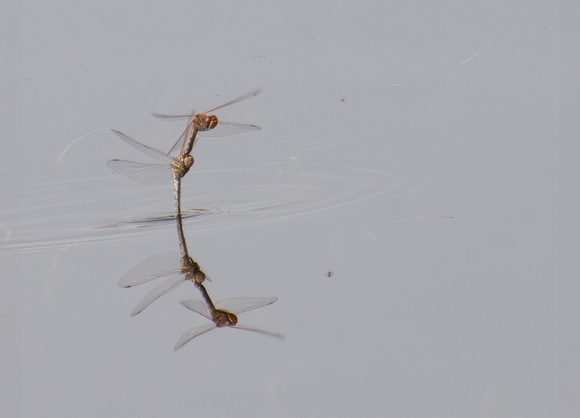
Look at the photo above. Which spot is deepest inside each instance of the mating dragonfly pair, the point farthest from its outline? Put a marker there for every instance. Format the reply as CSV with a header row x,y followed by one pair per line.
x,y
181,268
199,124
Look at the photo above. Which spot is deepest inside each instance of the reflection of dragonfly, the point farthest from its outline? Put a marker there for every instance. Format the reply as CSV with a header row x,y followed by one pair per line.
x,y
207,125
220,316
170,265
178,268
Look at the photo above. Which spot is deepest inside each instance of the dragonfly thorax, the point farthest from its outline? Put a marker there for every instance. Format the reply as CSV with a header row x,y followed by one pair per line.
x,y
182,164
192,270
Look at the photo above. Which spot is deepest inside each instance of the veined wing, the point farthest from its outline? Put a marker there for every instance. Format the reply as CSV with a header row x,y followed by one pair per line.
x,y
159,265
260,331
239,305
228,128
221,129
191,334
145,149
152,174
182,140
248,95
197,306
158,291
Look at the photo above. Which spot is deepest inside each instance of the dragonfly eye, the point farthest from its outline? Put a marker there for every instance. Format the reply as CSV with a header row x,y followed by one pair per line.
x,y
232,319
188,162
212,122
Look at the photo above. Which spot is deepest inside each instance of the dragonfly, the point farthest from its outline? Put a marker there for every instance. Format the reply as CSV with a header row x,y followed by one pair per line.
x,y
223,314
208,125
174,268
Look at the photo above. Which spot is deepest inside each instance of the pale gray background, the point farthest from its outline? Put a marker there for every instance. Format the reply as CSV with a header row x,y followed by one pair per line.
x,y
374,115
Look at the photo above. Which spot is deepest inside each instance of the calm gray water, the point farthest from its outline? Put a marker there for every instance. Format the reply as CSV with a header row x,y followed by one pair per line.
x,y
409,149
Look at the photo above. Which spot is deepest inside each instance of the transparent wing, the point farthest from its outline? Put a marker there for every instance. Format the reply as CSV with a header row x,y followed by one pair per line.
x,y
158,291
197,306
152,174
228,128
222,129
245,96
159,265
260,331
182,140
145,149
239,305
191,334
165,116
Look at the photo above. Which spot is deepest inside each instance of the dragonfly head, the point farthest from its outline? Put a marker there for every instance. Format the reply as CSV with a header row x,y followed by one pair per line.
x,y
224,318
208,122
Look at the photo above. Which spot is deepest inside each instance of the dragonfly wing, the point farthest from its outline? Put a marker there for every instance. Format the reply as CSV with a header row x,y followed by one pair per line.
x,y
228,128
197,306
159,265
248,95
239,305
152,174
165,116
191,334
158,291
260,331
145,149
183,139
